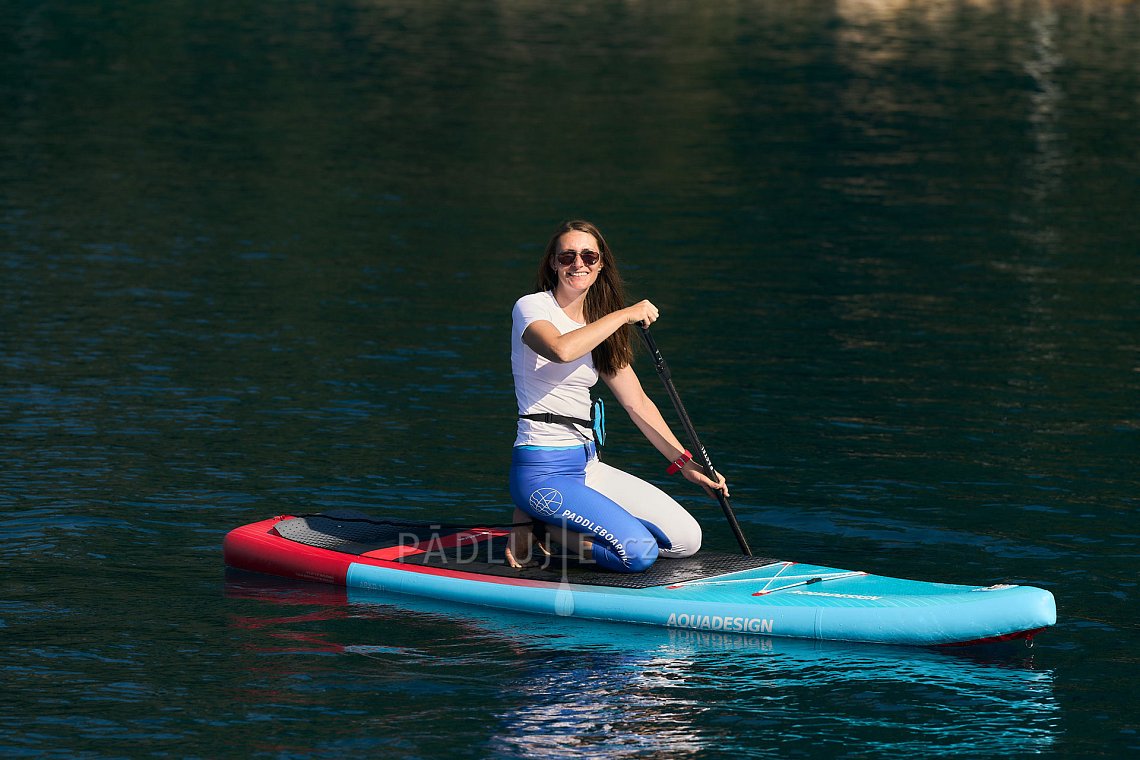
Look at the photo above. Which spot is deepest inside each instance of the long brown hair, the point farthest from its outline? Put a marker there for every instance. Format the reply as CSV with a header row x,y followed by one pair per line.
x,y
606,295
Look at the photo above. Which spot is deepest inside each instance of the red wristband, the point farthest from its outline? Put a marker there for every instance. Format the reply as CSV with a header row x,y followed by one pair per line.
x,y
679,463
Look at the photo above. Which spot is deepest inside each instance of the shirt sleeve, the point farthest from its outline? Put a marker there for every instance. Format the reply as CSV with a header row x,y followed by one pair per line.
x,y
527,311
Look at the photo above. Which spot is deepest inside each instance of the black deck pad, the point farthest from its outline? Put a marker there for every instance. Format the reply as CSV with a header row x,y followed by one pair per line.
x,y
353,532
356,533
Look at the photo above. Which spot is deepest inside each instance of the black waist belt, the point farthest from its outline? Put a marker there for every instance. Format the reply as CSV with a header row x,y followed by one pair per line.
x,y
596,423
558,418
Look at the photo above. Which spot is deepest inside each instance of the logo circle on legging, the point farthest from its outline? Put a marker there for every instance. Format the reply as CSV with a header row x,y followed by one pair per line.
x,y
546,501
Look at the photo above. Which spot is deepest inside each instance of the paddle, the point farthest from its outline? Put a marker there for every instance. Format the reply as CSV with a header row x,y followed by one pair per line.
x,y
695,445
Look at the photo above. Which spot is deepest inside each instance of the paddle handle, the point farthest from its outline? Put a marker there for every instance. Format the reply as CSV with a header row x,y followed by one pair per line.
x,y
695,445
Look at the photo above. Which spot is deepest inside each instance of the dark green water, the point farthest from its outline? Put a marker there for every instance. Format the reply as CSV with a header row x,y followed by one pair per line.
x,y
260,258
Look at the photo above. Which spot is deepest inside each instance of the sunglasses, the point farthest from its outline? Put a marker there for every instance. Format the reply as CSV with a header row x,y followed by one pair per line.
x,y
589,258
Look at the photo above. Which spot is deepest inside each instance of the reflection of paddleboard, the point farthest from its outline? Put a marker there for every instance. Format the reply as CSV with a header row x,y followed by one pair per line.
x,y
707,592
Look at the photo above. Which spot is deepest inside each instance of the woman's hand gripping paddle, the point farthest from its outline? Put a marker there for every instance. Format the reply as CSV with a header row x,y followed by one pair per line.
x,y
695,445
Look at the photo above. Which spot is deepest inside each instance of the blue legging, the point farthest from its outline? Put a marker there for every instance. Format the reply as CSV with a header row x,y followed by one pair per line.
x,y
629,521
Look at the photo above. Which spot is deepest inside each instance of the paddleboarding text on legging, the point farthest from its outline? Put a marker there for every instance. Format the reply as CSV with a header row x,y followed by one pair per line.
x,y
600,531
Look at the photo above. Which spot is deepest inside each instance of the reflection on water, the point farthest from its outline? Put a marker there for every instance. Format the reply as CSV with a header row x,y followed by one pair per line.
x,y
1047,170
570,688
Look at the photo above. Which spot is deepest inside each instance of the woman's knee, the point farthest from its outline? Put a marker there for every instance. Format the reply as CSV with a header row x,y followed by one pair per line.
x,y
641,553
633,554
685,541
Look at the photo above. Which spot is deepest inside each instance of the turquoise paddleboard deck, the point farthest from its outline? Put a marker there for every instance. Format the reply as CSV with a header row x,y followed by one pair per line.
x,y
710,591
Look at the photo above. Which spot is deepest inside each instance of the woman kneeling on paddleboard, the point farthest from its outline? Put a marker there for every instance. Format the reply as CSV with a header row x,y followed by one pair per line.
x,y
565,335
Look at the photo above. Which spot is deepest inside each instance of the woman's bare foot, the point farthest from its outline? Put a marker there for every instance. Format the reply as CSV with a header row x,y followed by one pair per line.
x,y
522,542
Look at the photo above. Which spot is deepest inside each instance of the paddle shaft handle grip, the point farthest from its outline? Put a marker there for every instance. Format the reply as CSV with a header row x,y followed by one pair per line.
x,y
695,445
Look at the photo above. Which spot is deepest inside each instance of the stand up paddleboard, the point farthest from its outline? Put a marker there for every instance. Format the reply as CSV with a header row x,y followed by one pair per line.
x,y
710,591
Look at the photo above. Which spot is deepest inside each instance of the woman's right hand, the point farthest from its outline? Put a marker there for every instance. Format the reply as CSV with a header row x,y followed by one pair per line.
x,y
644,312
696,474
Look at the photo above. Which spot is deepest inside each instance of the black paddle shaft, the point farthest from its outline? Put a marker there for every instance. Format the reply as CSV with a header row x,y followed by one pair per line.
x,y
695,445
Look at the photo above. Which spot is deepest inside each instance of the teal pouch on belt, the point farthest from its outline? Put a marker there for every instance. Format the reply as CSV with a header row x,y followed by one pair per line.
x,y
598,415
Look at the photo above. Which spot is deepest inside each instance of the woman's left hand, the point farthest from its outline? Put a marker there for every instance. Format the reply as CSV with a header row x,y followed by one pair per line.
x,y
694,473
